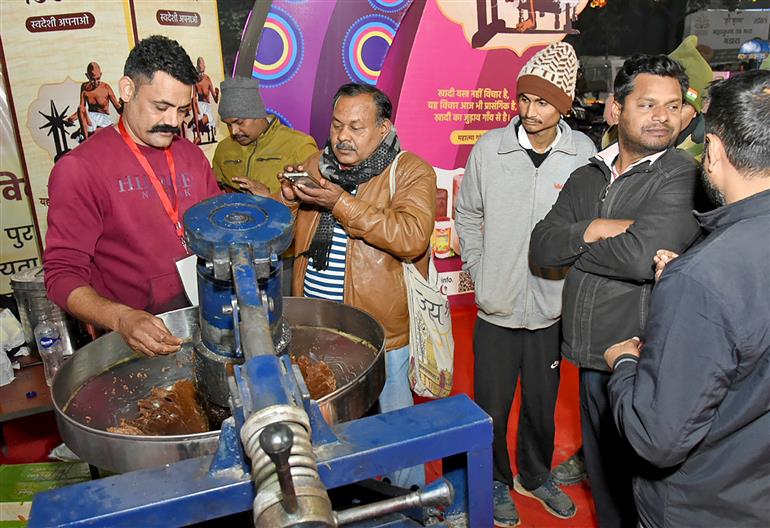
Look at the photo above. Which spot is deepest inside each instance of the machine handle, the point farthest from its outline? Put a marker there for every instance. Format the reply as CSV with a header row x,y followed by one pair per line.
x,y
277,440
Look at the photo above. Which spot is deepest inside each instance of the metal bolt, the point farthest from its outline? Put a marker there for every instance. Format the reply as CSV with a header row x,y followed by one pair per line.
x,y
277,440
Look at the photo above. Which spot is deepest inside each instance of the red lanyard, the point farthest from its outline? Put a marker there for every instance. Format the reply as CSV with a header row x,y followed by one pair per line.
x,y
171,211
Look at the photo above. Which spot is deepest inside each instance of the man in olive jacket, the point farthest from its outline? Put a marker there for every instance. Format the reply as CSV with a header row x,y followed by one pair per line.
x,y
259,145
633,198
351,236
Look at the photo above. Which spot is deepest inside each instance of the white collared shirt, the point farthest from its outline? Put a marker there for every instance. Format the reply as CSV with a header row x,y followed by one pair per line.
x,y
610,154
527,144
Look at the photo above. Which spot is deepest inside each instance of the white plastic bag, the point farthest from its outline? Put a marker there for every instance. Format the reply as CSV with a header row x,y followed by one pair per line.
x,y
11,336
431,345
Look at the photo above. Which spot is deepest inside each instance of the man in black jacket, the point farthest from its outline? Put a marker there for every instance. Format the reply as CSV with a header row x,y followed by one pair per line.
x,y
696,401
633,198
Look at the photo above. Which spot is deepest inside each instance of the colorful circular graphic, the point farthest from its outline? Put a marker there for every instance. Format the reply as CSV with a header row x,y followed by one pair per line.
x,y
280,50
389,6
282,118
365,45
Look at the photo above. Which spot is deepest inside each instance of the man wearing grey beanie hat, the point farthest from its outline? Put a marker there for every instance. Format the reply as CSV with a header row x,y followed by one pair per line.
x,y
259,146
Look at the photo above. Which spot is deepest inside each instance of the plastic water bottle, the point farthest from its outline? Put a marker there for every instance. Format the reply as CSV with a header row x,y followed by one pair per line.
x,y
49,345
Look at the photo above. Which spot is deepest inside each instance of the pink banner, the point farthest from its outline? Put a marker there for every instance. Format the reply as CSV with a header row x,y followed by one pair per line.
x,y
451,73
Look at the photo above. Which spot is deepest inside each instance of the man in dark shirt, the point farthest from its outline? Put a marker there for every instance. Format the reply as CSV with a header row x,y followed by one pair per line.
x,y
633,198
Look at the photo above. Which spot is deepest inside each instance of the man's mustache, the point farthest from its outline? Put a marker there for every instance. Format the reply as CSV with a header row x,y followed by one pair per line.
x,y
345,146
164,128
667,128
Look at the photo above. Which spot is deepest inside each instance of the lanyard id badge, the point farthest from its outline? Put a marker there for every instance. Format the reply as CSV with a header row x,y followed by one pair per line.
x,y
171,210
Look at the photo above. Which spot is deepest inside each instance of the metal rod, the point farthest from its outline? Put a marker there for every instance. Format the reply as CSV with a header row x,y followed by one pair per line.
x,y
252,33
253,326
440,495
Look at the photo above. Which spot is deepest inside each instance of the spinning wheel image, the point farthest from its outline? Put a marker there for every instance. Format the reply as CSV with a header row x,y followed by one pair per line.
x,y
491,22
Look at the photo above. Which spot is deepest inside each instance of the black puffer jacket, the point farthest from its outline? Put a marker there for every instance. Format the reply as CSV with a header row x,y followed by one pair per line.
x,y
607,290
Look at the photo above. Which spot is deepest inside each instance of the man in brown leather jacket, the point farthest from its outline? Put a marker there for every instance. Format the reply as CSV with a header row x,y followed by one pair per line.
x,y
351,235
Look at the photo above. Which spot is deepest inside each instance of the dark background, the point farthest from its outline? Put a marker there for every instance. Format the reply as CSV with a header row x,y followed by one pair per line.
x,y
625,27
232,19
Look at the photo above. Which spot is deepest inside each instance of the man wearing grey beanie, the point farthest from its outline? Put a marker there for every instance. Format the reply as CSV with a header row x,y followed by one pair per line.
x,y
259,146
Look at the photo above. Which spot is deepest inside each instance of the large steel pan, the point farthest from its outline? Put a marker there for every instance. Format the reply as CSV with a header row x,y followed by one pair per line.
x,y
103,381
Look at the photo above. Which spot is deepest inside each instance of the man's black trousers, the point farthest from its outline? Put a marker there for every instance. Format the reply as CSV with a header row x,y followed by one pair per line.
x,y
610,459
500,354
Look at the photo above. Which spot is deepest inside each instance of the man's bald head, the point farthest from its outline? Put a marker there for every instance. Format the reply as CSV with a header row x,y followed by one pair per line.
x,y
93,71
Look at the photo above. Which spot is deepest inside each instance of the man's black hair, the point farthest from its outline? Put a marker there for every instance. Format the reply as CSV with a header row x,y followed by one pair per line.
x,y
739,115
158,53
381,101
659,65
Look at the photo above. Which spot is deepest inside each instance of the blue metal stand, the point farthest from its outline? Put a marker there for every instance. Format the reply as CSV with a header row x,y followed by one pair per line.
x,y
453,429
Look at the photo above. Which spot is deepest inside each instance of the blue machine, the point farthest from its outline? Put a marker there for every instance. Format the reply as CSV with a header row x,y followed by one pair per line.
x,y
237,239
277,456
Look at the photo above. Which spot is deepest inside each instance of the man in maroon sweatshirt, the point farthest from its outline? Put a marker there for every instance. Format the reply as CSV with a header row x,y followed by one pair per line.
x,y
117,201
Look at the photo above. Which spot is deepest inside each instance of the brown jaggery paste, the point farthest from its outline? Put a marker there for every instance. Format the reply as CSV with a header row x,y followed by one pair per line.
x,y
319,378
173,411
177,411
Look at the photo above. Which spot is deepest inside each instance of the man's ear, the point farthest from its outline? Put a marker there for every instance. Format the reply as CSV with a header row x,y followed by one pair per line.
x,y
688,111
615,111
126,88
715,149
385,127
714,152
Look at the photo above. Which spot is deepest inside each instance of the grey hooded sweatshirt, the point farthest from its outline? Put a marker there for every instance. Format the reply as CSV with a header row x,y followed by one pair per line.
x,y
501,198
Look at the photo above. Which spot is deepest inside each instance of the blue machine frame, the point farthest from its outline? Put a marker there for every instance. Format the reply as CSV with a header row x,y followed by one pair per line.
x,y
454,429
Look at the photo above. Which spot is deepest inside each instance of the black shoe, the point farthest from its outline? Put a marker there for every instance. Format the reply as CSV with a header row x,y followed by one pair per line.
x,y
571,471
505,513
555,501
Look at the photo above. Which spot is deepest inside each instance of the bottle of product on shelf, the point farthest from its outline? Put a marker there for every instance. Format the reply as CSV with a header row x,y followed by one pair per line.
x,y
442,237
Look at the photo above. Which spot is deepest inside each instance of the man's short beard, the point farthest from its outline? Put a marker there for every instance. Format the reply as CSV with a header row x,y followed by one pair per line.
x,y
714,194
639,148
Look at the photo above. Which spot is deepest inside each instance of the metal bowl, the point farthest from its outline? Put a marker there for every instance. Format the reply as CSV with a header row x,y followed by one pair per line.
x,y
103,381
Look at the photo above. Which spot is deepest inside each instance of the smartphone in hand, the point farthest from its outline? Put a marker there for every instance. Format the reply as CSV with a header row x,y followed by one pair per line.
x,y
300,178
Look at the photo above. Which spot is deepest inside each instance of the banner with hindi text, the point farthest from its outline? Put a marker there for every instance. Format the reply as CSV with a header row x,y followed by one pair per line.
x,y
61,53
49,49
451,73
18,243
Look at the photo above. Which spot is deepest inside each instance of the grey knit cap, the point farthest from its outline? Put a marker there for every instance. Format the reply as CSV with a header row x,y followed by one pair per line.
x,y
241,99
